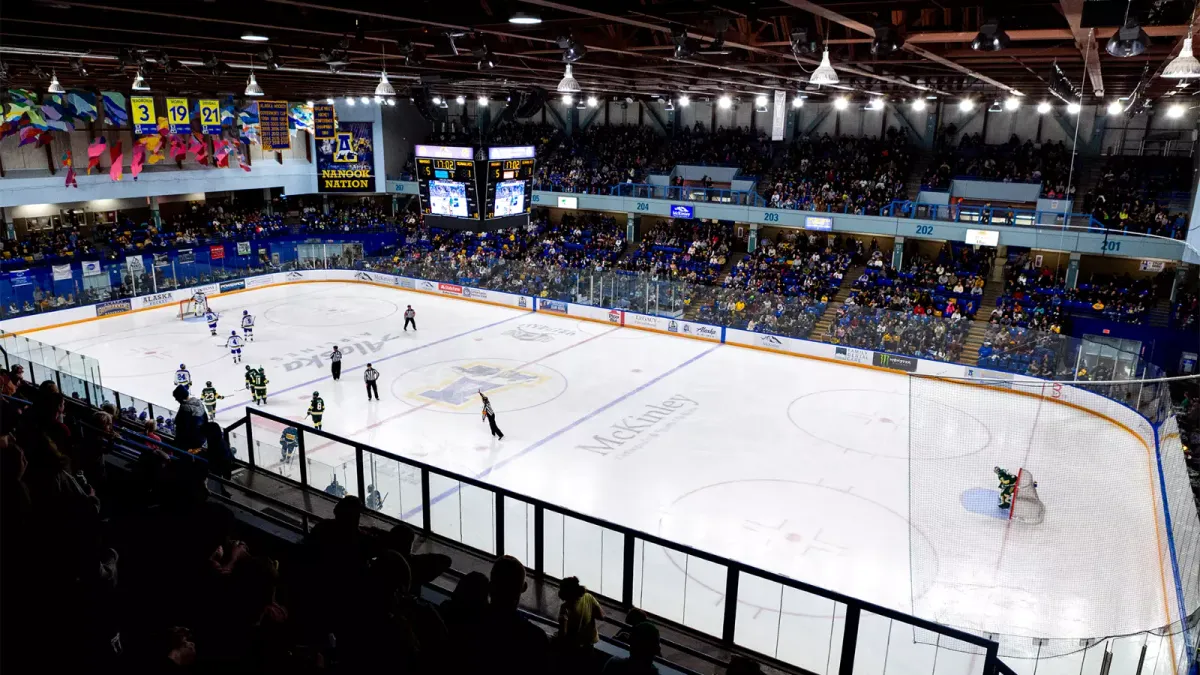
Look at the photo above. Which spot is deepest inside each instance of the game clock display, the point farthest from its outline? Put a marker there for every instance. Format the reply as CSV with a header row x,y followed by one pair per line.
x,y
509,187
447,187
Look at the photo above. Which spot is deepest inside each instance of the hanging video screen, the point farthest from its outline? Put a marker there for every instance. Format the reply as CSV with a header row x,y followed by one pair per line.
x,y
446,182
509,182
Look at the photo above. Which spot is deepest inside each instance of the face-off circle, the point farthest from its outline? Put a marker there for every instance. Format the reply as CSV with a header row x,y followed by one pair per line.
x,y
454,386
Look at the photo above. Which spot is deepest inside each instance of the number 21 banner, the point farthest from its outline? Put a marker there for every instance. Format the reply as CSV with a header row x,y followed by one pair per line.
x,y
210,116
178,119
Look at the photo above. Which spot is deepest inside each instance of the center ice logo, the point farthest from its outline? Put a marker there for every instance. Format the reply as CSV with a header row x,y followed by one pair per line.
x,y
536,332
476,377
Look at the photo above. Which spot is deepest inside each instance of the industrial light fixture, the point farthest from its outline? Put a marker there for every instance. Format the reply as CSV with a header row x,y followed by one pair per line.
x,y
1073,108
378,100
1012,103
567,99
800,43
252,86
1043,107
966,105
669,105
251,36
482,100
78,67
436,100
797,102
573,50
328,101
887,40
391,101
918,104
525,19
568,84
841,103
384,88
875,104
461,100
592,102
267,56
760,103
824,74
1184,65
365,101
684,48
55,87
684,101
139,82
1115,108
350,101
725,103
991,37
308,103
1175,111
1129,40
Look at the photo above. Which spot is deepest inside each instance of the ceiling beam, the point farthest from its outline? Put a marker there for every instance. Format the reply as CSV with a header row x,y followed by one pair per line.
x,y
831,15
1085,42
1019,35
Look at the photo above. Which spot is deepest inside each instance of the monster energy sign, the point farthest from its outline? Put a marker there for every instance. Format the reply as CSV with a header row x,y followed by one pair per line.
x,y
894,362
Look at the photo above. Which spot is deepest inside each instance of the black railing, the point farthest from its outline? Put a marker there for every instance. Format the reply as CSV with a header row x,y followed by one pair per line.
x,y
865,628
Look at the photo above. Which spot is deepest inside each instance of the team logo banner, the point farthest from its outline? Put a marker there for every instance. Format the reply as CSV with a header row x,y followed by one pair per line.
x,y
346,162
243,248
186,255
894,362
238,285
91,268
113,307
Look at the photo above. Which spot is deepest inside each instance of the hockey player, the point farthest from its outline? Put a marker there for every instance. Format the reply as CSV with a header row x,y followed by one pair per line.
x,y
316,409
1008,484
211,317
258,385
182,377
250,380
209,397
374,499
200,298
335,488
235,346
247,325
289,440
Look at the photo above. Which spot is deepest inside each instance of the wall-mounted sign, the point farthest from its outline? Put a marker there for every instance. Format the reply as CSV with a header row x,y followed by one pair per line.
x,y
982,237
568,202
818,223
681,211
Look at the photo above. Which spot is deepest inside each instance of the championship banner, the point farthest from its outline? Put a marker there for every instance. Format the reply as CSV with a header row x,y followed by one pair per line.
x,y
62,272
243,248
135,264
346,162
186,256
141,109
91,268
324,121
216,252
777,121
210,116
178,119
273,126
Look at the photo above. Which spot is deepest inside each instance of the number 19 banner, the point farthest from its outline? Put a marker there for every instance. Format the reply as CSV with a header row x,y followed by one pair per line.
x,y
178,119
210,116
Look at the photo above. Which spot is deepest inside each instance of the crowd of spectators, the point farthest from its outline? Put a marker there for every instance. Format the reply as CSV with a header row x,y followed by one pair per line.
x,y
949,285
855,175
135,568
1133,192
682,250
1012,162
796,263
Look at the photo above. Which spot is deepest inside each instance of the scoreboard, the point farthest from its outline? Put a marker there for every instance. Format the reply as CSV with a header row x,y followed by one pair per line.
x,y
450,178
509,181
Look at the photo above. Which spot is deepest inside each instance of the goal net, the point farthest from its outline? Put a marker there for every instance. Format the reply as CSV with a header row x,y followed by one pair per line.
x,y
190,309
1026,507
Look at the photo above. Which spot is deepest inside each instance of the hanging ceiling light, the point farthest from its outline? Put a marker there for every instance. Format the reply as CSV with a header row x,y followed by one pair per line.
x,y
824,74
55,87
567,99
139,83
875,104
1184,65
252,36
724,103
573,50
991,37
841,103
1073,108
364,100
1129,40
887,40
797,102
966,105
918,104
460,99
252,88
1115,108
384,88
1012,103
684,101
592,102
568,85
482,100
350,101
525,19
1043,107
1175,111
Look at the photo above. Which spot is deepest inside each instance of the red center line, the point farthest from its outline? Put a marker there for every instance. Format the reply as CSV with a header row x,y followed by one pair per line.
x,y
429,403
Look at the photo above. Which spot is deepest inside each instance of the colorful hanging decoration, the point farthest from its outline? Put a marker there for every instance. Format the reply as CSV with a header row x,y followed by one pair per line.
x,y
117,158
221,155
67,161
116,109
300,116
179,149
95,149
138,160
82,105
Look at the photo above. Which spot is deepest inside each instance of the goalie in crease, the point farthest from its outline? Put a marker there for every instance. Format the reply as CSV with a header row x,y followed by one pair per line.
x,y
1008,484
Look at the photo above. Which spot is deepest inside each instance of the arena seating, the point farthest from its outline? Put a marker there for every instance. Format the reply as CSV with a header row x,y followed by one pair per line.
x,y
793,264
1133,192
682,250
855,175
1014,161
950,285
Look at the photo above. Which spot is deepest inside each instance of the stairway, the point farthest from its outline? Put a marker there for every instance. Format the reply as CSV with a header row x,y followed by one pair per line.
x,y
730,260
821,330
1159,315
916,172
970,352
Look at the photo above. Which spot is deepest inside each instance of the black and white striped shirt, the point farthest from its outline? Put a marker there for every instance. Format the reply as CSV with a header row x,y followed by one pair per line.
x,y
370,375
409,313
487,408
336,356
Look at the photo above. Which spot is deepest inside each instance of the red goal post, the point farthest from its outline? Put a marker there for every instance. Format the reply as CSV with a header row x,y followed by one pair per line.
x,y
190,309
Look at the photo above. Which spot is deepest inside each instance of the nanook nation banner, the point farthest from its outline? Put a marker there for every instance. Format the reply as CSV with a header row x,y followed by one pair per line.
x,y
346,162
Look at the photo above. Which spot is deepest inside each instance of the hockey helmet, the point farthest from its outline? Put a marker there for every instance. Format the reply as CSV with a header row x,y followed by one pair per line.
x,y
245,312
208,384
316,394
233,332
247,367
182,367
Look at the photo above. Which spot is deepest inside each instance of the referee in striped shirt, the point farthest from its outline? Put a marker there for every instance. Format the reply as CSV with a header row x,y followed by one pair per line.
x,y
370,376
491,417
336,363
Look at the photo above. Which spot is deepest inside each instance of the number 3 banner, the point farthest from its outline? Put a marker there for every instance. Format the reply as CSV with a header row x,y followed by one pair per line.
x,y
210,116
177,116
141,110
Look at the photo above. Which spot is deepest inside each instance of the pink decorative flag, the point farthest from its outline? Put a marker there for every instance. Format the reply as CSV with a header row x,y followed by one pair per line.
x,y
179,149
95,149
222,153
139,159
68,162
116,172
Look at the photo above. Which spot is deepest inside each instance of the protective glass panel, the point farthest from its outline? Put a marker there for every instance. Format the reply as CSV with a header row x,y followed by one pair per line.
x,y
332,467
464,513
678,586
398,485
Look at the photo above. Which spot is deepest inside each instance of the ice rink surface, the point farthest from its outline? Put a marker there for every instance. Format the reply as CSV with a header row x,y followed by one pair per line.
x,y
793,465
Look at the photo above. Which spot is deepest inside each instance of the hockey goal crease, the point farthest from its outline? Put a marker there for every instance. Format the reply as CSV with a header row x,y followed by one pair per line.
x,y
1026,506
190,309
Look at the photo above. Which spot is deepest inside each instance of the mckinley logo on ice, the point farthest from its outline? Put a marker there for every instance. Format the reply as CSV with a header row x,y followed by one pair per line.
x,y
632,432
